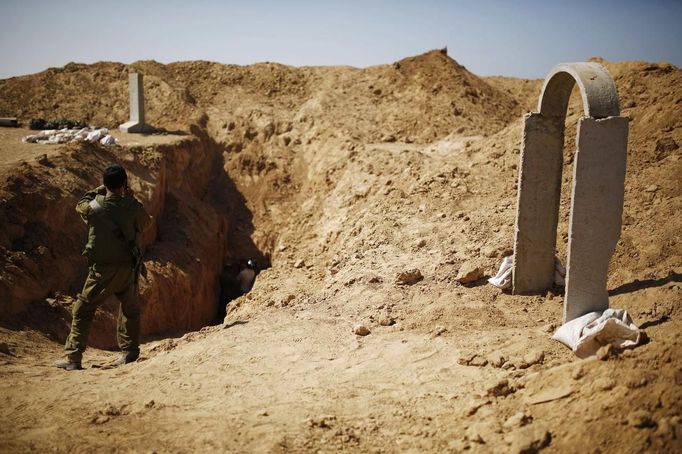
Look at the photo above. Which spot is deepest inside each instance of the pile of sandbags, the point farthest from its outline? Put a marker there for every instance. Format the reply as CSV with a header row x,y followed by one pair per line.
x,y
65,135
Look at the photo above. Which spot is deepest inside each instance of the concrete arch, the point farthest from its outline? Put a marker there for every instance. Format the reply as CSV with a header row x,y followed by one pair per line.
x,y
596,196
597,89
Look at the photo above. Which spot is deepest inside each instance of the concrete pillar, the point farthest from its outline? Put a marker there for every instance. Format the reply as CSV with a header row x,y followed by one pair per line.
x,y
538,203
136,90
596,212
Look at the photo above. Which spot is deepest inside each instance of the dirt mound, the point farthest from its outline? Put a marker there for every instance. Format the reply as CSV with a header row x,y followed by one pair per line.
x,y
96,94
525,92
432,93
353,182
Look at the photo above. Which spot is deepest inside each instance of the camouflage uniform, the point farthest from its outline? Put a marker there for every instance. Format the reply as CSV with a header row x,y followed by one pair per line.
x,y
114,223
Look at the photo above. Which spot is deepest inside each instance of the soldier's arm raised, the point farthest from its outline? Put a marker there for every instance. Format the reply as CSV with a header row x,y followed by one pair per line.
x,y
83,205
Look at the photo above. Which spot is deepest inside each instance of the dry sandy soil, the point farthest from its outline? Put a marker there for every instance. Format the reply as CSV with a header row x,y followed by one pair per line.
x,y
341,179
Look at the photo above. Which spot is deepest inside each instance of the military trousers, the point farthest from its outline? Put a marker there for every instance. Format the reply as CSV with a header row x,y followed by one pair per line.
x,y
102,282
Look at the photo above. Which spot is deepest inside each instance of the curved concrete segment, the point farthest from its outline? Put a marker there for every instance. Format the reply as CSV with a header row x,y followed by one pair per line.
x,y
596,196
598,91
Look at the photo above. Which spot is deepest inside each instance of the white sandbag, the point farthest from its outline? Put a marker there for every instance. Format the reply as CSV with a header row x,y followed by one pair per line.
x,y
57,139
108,140
53,136
569,333
503,278
584,335
94,136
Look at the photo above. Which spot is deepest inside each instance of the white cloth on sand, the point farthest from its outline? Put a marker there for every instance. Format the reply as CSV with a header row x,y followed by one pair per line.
x,y
503,278
584,335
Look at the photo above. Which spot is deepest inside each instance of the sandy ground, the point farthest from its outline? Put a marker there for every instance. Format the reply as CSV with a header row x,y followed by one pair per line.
x,y
298,379
329,174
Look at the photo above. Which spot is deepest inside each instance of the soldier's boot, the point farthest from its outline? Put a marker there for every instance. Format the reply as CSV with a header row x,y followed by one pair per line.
x,y
127,358
68,364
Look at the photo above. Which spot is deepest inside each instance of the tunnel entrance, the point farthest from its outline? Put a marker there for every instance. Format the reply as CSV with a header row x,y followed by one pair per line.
x,y
203,228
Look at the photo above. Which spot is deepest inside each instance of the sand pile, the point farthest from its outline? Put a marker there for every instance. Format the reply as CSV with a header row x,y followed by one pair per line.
x,y
354,182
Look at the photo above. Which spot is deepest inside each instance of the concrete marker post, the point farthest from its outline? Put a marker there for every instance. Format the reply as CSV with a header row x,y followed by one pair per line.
x,y
136,123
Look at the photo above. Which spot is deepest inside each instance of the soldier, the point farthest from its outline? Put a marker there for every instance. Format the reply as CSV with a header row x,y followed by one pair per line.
x,y
115,219
247,277
232,285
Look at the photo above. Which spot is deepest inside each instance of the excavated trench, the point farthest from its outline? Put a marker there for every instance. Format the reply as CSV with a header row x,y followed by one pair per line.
x,y
201,234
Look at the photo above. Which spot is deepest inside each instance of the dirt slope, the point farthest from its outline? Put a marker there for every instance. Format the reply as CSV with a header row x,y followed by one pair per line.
x,y
346,178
